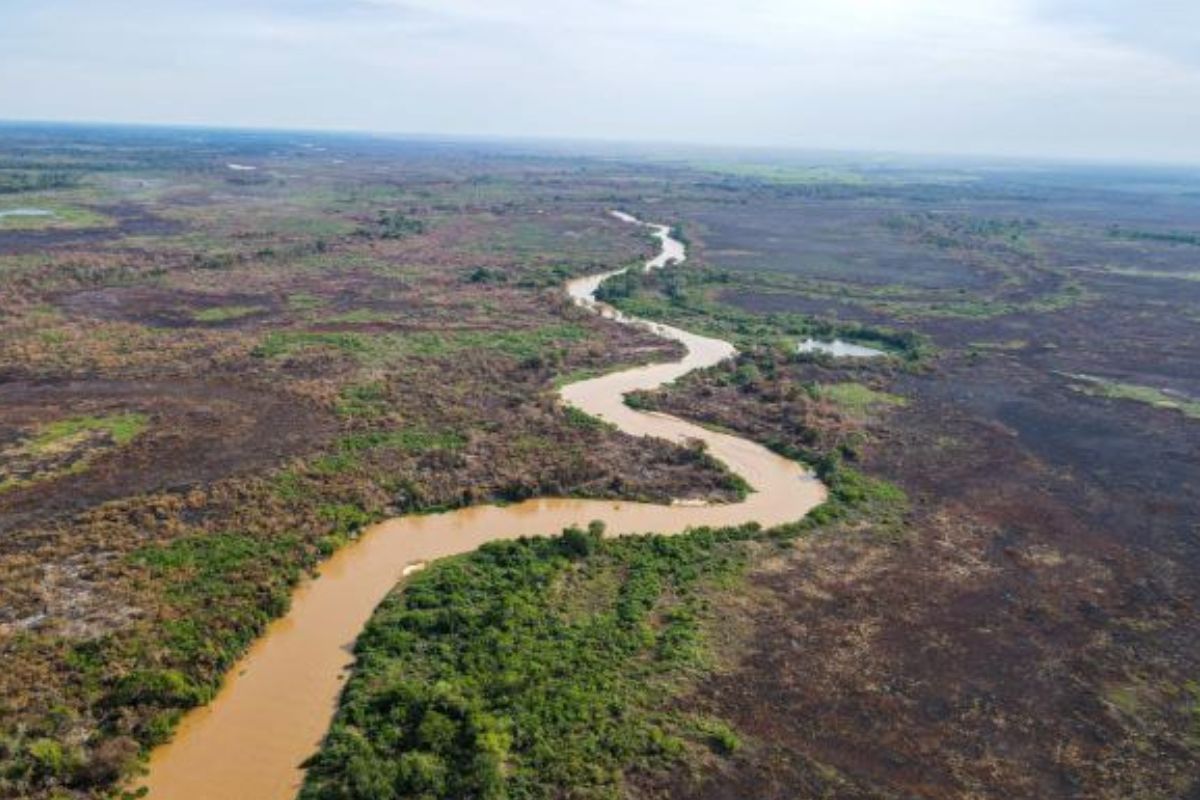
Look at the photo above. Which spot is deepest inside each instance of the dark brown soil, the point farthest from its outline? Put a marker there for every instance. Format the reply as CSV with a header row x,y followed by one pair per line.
x,y
199,430
128,220
1036,633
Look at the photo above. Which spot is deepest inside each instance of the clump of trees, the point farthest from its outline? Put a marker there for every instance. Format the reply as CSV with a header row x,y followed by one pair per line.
x,y
392,224
529,669
18,182
1168,237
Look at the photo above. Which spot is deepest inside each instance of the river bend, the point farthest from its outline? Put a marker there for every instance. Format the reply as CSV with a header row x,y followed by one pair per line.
x,y
278,701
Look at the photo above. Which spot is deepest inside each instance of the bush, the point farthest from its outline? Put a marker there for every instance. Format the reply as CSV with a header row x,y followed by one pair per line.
x,y
162,687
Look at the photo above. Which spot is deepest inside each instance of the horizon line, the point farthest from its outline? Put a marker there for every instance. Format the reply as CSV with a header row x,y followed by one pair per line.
x,y
1042,159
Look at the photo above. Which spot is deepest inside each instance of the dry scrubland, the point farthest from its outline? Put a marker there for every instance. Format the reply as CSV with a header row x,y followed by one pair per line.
x,y
209,378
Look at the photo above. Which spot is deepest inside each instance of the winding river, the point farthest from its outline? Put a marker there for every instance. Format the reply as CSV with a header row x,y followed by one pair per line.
x,y
278,701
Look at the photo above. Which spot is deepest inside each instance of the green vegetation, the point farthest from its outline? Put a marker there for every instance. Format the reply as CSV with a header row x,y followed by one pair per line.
x,y
1167,237
394,225
1156,274
958,231
543,666
551,668
66,447
1191,691
371,348
222,589
304,301
854,495
17,182
60,216
220,611
360,316
786,174
281,343
226,313
411,440
581,419
365,400
532,667
685,296
121,427
1008,345
524,344
1101,387
857,400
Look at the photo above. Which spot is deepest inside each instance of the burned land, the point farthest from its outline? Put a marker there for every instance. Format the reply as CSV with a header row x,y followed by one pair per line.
x,y
1032,632
212,378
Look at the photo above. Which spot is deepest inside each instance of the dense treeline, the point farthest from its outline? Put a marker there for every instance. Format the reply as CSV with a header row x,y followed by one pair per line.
x,y
18,182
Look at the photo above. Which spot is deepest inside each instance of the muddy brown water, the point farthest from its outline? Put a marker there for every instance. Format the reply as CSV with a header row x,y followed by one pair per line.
x,y
278,701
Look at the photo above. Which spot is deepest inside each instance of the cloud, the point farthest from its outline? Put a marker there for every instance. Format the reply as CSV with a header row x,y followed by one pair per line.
x,y
1056,77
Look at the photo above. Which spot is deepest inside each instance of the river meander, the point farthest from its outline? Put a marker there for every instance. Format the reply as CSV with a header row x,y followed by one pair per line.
x,y
277,702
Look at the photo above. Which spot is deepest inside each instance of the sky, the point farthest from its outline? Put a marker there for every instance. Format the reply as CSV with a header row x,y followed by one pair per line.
x,y
1087,79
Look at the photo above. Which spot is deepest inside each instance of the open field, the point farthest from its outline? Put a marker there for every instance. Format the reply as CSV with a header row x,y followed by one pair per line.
x,y
216,376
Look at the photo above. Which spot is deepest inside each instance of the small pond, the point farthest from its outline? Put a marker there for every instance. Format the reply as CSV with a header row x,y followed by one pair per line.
x,y
838,348
25,212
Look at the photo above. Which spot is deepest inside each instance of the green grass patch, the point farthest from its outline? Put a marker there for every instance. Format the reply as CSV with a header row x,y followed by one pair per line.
x,y
410,440
1008,345
1148,395
360,316
856,399
123,428
854,495
66,447
303,301
517,343
59,216
379,349
226,313
282,343
364,401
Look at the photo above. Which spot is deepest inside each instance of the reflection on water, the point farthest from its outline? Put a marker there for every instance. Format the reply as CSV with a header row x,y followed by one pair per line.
x,y
838,348
25,212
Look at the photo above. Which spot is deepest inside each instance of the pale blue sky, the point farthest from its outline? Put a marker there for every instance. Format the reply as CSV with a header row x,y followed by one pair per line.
x,y
1083,78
